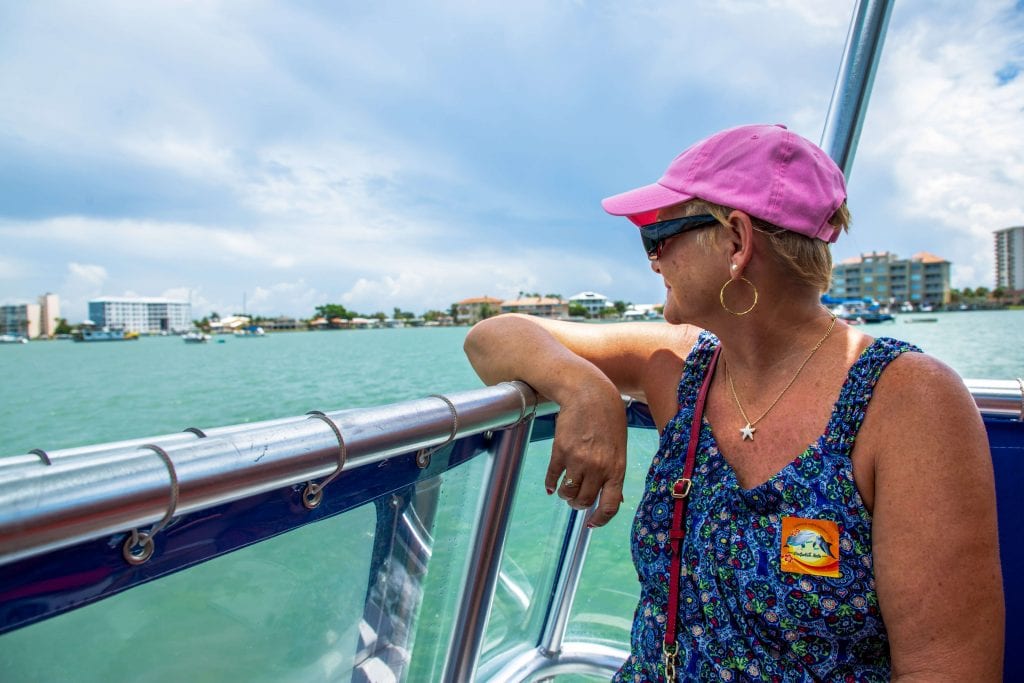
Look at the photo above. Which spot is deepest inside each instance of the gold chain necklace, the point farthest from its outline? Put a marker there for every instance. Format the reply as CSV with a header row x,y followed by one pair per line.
x,y
748,429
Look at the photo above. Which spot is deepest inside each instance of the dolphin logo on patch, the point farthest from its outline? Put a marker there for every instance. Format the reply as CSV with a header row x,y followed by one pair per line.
x,y
816,541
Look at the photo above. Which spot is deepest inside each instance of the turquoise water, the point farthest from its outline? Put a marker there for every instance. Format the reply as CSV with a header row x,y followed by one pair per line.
x,y
204,624
61,394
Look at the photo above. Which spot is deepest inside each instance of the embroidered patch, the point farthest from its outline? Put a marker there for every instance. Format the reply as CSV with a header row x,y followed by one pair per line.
x,y
810,546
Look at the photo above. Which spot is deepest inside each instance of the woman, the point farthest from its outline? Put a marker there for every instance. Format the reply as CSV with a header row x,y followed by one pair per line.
x,y
870,555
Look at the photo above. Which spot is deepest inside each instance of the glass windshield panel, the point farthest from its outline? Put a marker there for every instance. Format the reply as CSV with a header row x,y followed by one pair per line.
x,y
286,609
608,591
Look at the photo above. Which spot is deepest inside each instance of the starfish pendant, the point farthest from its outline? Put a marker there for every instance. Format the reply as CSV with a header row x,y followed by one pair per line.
x,y
748,432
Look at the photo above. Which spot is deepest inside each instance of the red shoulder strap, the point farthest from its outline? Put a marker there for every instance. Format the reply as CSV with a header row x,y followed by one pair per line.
x,y
681,493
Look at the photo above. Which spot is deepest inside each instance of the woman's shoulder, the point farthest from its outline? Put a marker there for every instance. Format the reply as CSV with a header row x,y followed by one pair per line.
x,y
662,363
664,344
914,377
918,399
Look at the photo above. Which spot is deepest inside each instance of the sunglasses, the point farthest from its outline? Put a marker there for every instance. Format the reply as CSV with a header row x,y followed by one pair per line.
x,y
655,234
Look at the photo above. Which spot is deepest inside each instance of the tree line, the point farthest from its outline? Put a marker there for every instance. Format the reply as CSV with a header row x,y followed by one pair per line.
x,y
999,295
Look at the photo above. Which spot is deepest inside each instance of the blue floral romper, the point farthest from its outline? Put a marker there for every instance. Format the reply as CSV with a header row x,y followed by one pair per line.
x,y
742,618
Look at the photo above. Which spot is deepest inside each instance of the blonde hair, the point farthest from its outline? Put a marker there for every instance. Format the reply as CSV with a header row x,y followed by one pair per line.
x,y
807,259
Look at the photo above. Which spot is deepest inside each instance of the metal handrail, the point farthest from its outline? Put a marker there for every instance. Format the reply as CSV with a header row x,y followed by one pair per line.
x,y
85,494
998,398
89,493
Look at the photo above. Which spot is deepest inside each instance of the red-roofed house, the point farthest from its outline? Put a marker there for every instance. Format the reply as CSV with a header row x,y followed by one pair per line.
x,y
541,306
475,309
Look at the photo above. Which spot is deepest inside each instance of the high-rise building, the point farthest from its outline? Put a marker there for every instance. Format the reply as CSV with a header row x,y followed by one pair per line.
x,y
145,316
921,279
49,314
1010,258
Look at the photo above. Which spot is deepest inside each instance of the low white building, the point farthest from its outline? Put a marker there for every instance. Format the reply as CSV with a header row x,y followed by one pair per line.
x,y
230,324
595,304
643,312
142,315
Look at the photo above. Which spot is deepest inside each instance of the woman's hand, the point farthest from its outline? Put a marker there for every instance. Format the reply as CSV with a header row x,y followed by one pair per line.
x,y
590,449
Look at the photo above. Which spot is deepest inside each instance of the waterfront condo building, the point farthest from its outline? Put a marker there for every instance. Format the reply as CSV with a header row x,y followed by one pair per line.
x,y
145,316
1010,259
921,279
20,320
31,320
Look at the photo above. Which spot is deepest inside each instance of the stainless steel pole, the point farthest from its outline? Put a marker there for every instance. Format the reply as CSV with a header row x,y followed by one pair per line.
x,y
853,82
467,636
570,569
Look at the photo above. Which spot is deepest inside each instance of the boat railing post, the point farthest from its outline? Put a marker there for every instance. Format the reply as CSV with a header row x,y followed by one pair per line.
x,y
567,579
856,75
484,562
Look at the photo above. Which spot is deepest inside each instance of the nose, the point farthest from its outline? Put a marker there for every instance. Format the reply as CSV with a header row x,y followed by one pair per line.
x,y
656,266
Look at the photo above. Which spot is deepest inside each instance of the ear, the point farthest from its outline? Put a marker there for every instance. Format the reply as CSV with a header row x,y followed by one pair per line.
x,y
737,240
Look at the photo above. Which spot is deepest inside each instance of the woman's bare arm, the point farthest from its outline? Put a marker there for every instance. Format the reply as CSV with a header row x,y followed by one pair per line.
x,y
583,368
934,535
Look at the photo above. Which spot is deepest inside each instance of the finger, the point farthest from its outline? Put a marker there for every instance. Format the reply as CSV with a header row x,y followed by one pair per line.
x,y
555,468
569,489
611,498
585,495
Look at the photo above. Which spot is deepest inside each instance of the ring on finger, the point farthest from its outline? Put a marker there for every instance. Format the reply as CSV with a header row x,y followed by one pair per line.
x,y
569,483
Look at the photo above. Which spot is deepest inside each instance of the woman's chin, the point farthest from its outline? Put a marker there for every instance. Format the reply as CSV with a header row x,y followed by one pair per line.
x,y
671,316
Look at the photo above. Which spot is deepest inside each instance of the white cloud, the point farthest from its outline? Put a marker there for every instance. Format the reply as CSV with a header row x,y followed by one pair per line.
x,y
173,243
12,269
950,135
297,297
88,275
82,281
737,48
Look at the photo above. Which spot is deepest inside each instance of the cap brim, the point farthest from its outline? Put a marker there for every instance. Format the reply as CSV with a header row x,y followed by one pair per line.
x,y
641,205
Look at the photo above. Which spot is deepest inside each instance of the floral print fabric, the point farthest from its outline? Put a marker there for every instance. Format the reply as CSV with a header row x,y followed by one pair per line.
x,y
741,617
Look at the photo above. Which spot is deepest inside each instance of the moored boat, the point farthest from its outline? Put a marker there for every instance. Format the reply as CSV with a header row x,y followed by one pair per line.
x,y
103,334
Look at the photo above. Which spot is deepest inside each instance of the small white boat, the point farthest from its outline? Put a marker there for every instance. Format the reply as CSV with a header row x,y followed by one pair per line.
x,y
196,337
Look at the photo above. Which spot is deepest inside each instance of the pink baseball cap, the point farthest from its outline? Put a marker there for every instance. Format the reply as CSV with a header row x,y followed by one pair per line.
x,y
765,170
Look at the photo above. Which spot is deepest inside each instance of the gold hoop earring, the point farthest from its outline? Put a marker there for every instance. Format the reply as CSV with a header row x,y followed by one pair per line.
x,y
721,295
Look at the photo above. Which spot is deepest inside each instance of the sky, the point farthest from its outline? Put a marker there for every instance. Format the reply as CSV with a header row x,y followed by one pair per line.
x,y
269,157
